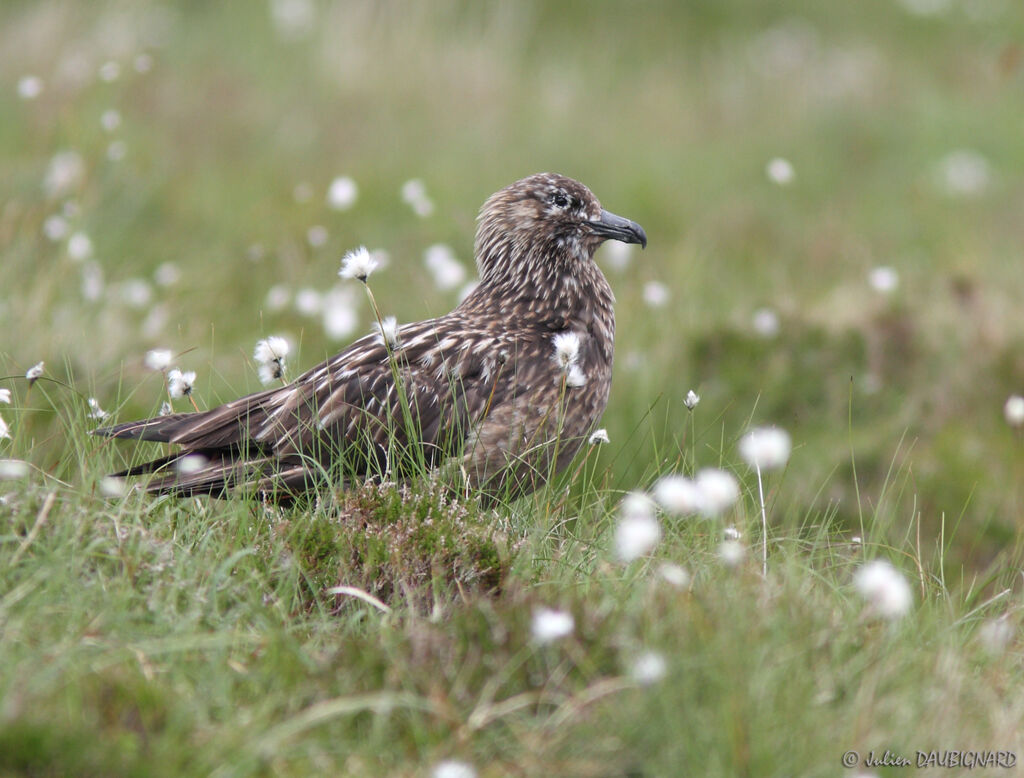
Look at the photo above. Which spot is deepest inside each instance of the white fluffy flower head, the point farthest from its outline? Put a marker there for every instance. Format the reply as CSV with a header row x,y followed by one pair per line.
x,y
5,396
599,436
451,768
691,400
637,532
180,384
158,359
766,448
272,349
780,171
342,193
718,491
648,668
358,263
1013,411
886,590
549,625
35,372
389,332
677,495
567,349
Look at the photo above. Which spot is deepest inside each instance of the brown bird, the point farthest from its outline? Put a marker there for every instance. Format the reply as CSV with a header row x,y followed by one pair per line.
x,y
504,389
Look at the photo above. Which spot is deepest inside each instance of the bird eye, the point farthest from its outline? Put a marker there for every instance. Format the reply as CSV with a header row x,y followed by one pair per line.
x,y
559,199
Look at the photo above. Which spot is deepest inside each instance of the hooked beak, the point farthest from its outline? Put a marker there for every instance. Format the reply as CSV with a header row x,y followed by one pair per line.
x,y
612,227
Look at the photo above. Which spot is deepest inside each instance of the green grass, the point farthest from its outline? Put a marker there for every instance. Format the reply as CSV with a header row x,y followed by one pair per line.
x,y
143,636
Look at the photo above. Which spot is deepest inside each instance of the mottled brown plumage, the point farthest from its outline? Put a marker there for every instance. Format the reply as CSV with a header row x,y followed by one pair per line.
x,y
480,388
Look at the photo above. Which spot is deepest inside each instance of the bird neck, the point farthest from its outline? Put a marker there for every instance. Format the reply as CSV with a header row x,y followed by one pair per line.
x,y
550,287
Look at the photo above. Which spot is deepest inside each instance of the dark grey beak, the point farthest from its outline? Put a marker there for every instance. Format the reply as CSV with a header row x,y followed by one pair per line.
x,y
614,227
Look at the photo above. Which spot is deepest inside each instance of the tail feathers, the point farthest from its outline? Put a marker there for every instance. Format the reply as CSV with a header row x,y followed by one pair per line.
x,y
160,429
216,473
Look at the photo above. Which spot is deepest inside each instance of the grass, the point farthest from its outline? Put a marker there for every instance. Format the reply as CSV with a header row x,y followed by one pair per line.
x,y
143,636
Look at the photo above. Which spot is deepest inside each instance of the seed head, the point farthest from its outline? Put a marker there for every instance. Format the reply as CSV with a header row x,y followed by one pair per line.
x,y
358,264
1014,410
35,372
766,448
692,398
886,590
598,436
549,625
179,384
388,332
158,359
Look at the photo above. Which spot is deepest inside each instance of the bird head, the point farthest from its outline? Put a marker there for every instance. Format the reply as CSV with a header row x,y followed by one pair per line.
x,y
546,215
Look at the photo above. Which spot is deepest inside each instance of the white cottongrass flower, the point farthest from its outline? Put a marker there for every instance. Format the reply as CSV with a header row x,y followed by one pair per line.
x,y
447,271
575,377
567,349
92,281
675,575
270,355
180,384
342,193
110,486
316,236
158,359
308,301
964,173
780,171
414,194
549,625
110,119
35,372
109,71
358,263
656,294
886,590
167,274
277,299
293,19
55,227
339,313
1013,411
191,463
598,436
272,349
765,322
5,396
451,768
135,292
389,332
165,409
995,635
95,411
766,448
731,552
79,246
677,495
718,491
637,532
731,533
12,469
65,172
648,668
616,254
30,87
691,400
5,431
884,279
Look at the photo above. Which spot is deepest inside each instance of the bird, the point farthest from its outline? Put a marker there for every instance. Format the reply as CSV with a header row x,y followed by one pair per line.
x,y
502,391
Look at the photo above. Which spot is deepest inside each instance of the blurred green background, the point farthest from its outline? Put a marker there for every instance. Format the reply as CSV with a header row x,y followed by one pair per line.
x,y
865,290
